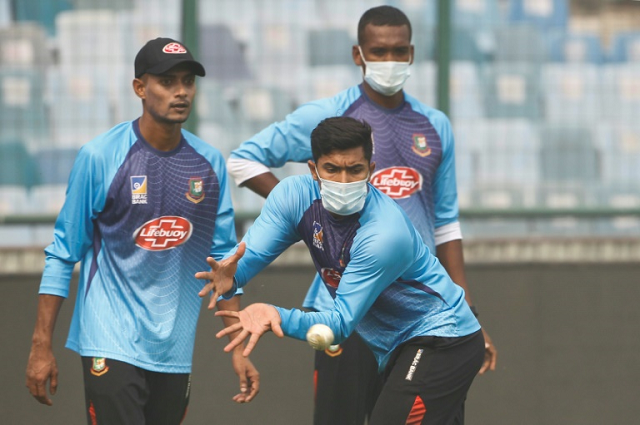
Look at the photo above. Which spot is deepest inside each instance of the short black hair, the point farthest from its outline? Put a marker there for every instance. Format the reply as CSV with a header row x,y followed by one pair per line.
x,y
341,134
382,15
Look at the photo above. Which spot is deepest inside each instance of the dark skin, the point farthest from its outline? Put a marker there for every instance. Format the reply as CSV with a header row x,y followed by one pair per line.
x,y
393,43
167,100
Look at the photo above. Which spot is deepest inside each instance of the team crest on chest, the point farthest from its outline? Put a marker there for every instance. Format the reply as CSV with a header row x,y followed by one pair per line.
x,y
420,145
318,235
196,190
99,366
138,189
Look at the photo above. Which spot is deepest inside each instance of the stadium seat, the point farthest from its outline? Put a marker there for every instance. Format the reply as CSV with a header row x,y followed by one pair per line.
x,y
574,47
465,45
330,46
511,90
476,13
544,14
42,12
625,47
224,57
95,38
423,39
422,82
504,153
5,13
80,107
23,45
572,93
22,109
17,166
621,92
619,144
325,81
54,165
261,106
520,43
568,155
465,91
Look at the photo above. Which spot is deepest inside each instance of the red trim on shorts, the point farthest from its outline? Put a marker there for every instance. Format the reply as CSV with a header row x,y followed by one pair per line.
x,y
92,414
418,410
315,385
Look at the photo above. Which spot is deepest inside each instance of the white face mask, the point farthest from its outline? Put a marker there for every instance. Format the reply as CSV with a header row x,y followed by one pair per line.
x,y
386,78
343,198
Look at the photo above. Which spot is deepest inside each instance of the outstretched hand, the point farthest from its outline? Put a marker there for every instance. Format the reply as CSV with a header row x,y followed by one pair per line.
x,y
221,275
253,322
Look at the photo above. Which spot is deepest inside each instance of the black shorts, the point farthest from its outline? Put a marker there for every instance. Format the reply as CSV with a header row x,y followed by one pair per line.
x,y
347,384
427,379
117,393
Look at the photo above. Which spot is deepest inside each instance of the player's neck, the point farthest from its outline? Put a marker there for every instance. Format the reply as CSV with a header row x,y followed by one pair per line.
x,y
162,136
389,102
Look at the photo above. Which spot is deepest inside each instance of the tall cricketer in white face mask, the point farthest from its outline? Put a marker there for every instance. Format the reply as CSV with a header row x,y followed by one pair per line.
x,y
386,78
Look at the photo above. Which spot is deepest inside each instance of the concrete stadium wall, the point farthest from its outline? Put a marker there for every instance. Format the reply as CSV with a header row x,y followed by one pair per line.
x,y
566,334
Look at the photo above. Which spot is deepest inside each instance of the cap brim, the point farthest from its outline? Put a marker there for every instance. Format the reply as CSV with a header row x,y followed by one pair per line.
x,y
165,66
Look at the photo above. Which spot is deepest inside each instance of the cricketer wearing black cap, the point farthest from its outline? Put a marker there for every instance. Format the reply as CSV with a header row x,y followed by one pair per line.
x,y
162,54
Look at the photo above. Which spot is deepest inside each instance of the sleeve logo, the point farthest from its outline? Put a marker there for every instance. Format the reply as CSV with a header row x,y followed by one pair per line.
x,y
397,182
163,233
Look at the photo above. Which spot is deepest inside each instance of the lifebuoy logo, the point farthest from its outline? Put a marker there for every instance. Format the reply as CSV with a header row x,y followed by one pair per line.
x,y
397,182
163,233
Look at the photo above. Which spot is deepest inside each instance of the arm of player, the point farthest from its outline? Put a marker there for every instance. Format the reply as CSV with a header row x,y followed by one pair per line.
x,y
262,184
451,256
42,366
252,322
244,368
220,278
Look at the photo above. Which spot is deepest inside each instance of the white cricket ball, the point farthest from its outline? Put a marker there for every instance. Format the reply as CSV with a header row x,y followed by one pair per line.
x,y
320,336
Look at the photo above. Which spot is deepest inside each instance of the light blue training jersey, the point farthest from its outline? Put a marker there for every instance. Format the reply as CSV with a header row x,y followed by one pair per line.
x,y
383,279
142,222
413,152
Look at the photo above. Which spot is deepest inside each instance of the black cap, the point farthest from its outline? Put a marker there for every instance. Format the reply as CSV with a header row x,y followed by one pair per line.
x,y
162,54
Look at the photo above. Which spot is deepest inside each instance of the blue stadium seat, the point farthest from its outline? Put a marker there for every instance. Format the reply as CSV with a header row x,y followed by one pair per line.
x,y
330,47
568,155
22,109
17,166
520,43
422,82
54,165
625,47
619,144
223,57
465,92
5,12
423,38
575,47
504,155
476,13
511,90
621,92
544,14
80,107
42,12
24,45
466,46
325,81
261,106
572,93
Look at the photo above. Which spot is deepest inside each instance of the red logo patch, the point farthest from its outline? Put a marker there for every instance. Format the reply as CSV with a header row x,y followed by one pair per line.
x,y
397,182
163,233
174,48
331,277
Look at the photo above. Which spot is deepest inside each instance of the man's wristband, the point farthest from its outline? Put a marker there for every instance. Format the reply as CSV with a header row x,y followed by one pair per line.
x,y
473,310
